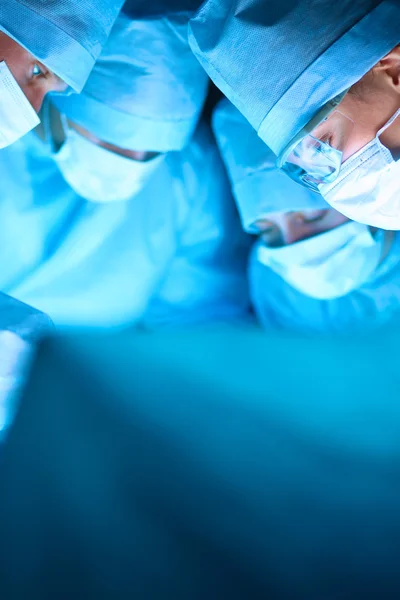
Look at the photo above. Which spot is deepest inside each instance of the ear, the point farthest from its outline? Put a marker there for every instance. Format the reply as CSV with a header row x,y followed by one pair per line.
x,y
389,68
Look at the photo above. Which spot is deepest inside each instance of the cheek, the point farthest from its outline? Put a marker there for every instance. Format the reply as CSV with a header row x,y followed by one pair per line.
x,y
35,92
18,69
359,138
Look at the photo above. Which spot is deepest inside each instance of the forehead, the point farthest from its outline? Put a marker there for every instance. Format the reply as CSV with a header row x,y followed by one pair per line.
x,y
11,49
279,215
319,220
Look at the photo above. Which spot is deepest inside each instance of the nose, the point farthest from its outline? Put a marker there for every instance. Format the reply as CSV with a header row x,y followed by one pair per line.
x,y
292,228
39,88
37,100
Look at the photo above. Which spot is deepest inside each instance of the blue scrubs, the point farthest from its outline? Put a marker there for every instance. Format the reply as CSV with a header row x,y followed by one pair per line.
x,y
173,253
260,188
375,303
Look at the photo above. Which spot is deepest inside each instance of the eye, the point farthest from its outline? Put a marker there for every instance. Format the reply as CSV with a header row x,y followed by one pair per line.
x,y
38,71
312,216
265,226
269,233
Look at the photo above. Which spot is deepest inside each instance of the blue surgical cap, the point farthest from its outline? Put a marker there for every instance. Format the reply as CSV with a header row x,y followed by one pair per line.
x,y
258,185
65,35
147,89
139,9
280,306
280,61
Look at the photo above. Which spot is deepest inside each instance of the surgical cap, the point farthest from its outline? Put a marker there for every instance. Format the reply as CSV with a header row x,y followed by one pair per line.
x,y
65,35
158,8
280,61
147,89
280,306
258,186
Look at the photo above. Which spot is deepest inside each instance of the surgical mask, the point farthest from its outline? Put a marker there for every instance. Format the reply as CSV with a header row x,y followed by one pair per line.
x,y
368,186
99,175
329,265
17,117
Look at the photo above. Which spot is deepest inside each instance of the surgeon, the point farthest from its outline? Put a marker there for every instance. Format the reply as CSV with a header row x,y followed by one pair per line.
x,y
319,81
44,47
311,268
122,213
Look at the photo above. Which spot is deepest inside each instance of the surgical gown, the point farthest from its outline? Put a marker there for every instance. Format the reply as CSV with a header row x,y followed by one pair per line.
x,y
259,189
376,303
172,254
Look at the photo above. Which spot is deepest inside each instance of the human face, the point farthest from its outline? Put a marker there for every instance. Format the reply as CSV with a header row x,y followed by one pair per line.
x,y
31,75
98,171
316,158
284,228
354,124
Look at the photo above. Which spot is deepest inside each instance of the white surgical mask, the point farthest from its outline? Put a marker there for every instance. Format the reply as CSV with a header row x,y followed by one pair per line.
x,y
99,175
17,116
329,265
367,188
